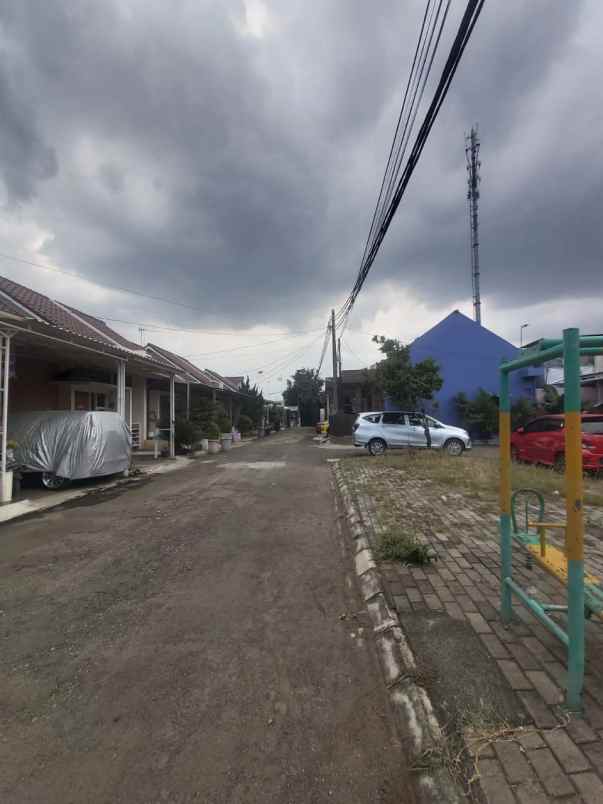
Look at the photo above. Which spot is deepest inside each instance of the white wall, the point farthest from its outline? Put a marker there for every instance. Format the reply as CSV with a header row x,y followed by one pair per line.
x,y
139,404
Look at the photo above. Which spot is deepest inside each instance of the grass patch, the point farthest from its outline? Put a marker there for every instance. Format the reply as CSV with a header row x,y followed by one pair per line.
x,y
480,475
398,545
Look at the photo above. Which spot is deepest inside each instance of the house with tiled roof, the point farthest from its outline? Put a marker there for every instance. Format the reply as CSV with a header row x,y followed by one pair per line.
x,y
201,382
55,357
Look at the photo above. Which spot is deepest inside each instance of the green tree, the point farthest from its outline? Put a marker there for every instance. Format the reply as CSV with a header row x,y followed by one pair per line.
x,y
553,401
303,390
480,414
522,410
252,403
406,384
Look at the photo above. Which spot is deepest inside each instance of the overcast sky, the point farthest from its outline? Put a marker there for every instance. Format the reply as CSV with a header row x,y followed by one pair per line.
x,y
227,155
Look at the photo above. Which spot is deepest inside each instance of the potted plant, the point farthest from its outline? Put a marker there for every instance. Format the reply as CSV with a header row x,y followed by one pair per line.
x,y
213,438
226,432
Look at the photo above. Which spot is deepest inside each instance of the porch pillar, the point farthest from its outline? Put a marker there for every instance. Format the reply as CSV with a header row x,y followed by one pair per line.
x,y
121,388
172,416
4,381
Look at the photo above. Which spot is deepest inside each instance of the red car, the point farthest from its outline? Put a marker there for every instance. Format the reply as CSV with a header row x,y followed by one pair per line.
x,y
543,441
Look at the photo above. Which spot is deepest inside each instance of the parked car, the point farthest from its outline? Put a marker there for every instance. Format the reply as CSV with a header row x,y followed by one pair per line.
x,y
69,445
381,430
543,441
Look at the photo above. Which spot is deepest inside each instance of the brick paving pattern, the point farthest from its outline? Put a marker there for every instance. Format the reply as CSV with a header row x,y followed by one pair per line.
x,y
562,758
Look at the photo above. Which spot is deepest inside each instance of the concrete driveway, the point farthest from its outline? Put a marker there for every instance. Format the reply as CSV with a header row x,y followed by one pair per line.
x,y
195,638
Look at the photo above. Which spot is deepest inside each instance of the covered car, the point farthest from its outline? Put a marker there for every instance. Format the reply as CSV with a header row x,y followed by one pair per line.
x,y
70,445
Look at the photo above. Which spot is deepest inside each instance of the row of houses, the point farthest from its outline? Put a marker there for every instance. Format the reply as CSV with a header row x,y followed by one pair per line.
x,y
54,357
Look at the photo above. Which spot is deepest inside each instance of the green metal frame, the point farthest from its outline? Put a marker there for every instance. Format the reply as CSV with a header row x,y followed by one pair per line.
x,y
570,348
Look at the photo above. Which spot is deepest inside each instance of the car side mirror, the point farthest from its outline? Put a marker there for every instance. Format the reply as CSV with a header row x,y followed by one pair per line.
x,y
519,429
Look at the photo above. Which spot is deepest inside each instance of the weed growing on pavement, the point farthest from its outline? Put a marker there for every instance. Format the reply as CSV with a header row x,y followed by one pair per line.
x,y
399,545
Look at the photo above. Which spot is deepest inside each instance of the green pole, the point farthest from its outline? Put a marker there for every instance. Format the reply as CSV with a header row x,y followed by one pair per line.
x,y
574,535
506,554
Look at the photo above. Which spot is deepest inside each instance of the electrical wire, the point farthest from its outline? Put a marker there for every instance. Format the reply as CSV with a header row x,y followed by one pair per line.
x,y
384,218
146,326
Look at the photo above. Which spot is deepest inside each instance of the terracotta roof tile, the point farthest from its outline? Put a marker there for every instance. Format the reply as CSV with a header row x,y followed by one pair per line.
x,y
199,375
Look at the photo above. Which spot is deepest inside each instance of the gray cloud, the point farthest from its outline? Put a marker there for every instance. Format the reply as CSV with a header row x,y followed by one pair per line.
x,y
238,173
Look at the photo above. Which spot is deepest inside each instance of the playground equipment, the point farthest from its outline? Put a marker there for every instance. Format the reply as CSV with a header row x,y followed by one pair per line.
x,y
568,565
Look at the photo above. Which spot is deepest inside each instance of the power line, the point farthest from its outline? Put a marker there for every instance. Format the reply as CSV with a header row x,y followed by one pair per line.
x,y
147,326
385,217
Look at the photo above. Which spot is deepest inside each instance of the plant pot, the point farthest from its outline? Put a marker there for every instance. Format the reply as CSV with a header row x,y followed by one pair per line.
x,y
7,487
213,446
204,444
226,439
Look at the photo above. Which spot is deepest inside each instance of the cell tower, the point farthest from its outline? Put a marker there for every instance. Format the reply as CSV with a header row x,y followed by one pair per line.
x,y
473,180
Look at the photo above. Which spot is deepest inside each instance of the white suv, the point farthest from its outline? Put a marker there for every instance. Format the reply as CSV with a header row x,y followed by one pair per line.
x,y
381,430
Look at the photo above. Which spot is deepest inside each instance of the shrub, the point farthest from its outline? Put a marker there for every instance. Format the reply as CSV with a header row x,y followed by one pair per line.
x,y
245,424
396,545
212,431
187,433
224,424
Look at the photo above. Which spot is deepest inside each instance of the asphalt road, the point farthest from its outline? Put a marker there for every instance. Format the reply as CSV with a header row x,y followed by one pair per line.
x,y
184,640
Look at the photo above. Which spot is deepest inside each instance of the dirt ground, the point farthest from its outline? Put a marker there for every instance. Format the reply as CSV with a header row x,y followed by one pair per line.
x,y
183,640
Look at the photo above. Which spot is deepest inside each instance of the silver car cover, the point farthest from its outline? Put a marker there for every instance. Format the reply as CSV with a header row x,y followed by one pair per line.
x,y
70,444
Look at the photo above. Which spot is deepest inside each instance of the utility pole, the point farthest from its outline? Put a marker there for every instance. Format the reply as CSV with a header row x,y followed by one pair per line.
x,y
335,381
339,377
473,180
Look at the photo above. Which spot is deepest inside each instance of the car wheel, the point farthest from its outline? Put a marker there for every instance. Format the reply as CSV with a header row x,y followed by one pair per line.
x,y
454,447
559,464
53,482
377,446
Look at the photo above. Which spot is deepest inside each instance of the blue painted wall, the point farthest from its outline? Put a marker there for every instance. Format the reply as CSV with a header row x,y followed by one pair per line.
x,y
468,356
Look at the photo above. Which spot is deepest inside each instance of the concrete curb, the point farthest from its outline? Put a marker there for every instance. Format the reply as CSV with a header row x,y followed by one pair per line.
x,y
417,723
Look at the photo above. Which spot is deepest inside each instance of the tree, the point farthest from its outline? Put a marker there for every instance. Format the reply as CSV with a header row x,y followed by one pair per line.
x,y
404,383
480,414
553,401
522,410
303,390
252,403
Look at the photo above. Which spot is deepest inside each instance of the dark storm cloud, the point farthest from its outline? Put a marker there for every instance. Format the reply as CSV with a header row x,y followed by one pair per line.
x,y
26,159
238,172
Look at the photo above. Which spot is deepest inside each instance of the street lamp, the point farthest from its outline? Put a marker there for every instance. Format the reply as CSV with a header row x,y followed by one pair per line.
x,y
521,329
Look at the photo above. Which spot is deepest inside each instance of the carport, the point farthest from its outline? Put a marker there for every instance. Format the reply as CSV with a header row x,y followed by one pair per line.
x,y
44,368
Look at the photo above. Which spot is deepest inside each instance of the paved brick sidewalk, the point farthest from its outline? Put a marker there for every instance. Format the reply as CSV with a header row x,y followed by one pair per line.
x,y
560,759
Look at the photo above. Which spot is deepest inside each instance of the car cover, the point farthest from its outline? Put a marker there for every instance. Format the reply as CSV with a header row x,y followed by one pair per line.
x,y
70,444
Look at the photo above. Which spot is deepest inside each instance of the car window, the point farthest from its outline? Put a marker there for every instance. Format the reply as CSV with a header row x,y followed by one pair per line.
x,y
433,423
551,425
593,426
393,418
416,420
373,417
535,427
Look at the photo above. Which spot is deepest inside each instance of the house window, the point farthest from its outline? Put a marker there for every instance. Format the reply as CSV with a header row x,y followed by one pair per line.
x,y
81,400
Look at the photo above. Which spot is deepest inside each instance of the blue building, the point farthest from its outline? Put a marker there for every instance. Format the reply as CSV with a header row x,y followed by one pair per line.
x,y
469,355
